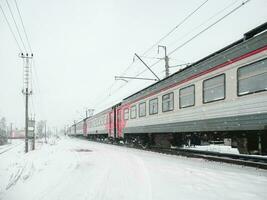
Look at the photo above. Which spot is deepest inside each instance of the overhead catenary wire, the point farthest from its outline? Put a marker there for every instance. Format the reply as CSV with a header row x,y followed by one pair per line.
x,y
23,26
16,25
216,14
155,63
158,61
20,42
176,27
198,34
169,33
204,30
160,40
10,28
217,21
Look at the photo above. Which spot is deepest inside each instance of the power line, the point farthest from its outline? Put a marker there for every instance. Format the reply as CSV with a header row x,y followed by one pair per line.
x,y
155,63
173,29
101,102
161,39
26,35
96,101
220,19
10,28
170,32
129,66
193,29
36,83
16,25
36,75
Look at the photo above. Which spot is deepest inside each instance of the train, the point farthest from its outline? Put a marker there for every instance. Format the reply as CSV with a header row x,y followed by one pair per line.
x,y
222,97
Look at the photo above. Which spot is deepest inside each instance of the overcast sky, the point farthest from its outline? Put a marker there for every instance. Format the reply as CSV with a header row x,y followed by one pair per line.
x,y
79,46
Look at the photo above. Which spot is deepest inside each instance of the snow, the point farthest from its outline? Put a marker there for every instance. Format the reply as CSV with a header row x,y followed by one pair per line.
x,y
68,169
10,145
215,148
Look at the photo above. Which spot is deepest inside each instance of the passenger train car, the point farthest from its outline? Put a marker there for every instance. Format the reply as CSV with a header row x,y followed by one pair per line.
x,y
220,96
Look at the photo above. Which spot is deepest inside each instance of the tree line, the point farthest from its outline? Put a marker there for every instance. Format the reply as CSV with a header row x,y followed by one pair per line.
x,y
3,131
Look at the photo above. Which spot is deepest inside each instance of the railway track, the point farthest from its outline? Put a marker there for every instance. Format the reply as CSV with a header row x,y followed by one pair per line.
x,y
259,162
244,160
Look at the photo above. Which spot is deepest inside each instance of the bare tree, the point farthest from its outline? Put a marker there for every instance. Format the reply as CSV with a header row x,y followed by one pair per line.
x,y
3,131
40,128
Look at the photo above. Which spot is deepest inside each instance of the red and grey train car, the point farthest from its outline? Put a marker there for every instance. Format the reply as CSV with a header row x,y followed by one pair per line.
x,y
221,96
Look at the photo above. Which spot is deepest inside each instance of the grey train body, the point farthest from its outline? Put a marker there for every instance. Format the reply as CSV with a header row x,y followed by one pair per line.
x,y
220,96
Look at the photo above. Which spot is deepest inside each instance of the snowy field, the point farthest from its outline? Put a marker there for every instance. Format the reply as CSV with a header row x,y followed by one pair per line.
x,y
73,169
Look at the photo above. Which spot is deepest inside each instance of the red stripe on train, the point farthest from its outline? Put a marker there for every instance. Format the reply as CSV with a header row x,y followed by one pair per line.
x,y
204,72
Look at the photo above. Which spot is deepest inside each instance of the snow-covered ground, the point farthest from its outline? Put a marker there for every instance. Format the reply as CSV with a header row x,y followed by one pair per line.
x,y
215,148
73,169
10,145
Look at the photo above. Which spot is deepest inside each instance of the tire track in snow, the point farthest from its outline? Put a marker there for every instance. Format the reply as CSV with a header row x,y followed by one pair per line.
x,y
63,179
68,185
123,176
128,177
15,177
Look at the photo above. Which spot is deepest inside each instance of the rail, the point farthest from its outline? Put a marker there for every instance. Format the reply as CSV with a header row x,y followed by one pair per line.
x,y
237,159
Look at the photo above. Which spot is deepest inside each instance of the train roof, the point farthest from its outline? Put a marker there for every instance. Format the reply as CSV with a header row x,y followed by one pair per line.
x,y
98,114
177,76
250,34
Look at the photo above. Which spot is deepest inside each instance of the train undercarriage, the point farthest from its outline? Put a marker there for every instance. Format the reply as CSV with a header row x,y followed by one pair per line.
x,y
250,142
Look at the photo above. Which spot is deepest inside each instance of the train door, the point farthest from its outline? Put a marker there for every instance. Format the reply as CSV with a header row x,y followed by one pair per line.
x,y
84,128
119,123
114,111
111,124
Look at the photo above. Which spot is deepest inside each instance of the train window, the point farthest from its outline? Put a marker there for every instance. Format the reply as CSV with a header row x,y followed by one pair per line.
x,y
133,112
187,96
214,89
167,102
252,78
142,109
153,106
126,114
